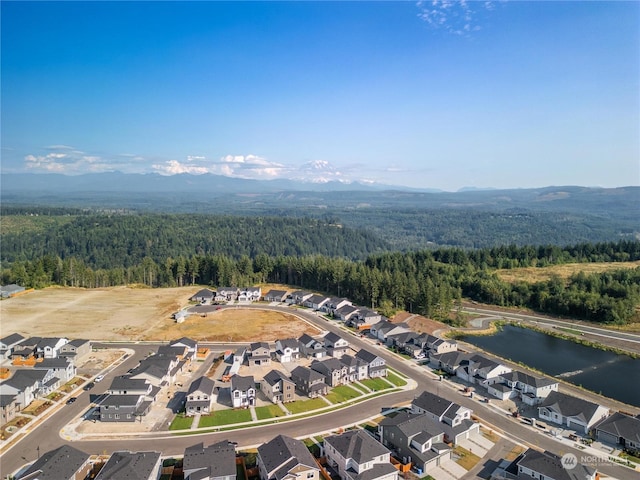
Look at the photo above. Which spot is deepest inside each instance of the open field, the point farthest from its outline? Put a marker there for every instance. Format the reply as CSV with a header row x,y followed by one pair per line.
x,y
125,313
542,274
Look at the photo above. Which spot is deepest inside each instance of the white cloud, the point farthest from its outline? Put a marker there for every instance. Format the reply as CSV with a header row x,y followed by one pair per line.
x,y
458,17
174,167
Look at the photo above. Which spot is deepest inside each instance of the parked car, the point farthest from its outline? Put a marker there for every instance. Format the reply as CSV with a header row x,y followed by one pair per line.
x,y
71,400
99,378
89,386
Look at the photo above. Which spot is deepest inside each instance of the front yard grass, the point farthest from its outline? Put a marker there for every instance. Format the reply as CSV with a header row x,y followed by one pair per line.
x,y
302,406
36,407
72,384
395,379
376,384
181,422
359,387
225,417
341,394
466,460
268,411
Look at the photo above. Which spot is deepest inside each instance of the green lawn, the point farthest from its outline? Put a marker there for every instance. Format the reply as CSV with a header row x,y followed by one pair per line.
x,y
342,393
225,417
395,379
376,384
306,405
269,411
181,423
359,387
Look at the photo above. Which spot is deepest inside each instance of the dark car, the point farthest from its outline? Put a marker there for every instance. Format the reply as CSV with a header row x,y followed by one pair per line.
x,y
89,386
71,400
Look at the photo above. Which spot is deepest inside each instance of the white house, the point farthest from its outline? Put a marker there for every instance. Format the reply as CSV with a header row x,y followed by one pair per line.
x,y
355,452
287,350
243,391
574,412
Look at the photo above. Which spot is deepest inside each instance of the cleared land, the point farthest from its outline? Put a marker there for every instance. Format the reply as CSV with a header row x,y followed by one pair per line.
x,y
542,274
125,313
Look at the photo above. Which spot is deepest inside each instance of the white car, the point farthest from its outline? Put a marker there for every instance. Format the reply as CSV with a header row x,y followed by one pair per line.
x,y
98,378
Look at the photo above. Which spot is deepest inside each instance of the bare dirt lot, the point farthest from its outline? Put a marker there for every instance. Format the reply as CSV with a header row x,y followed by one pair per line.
x,y
125,313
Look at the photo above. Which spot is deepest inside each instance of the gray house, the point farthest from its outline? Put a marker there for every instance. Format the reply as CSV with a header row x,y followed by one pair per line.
x,y
200,396
358,456
333,370
215,462
275,296
376,366
309,382
620,429
277,387
76,349
129,465
260,354
285,458
7,343
311,348
123,408
63,463
336,345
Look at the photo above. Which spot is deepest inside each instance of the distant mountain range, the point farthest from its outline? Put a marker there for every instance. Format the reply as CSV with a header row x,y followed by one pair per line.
x,y
198,192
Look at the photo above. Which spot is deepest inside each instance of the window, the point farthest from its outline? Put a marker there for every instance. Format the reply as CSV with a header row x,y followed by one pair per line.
x,y
311,475
117,416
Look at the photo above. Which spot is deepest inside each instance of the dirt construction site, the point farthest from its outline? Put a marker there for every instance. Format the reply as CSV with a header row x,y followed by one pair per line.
x,y
125,313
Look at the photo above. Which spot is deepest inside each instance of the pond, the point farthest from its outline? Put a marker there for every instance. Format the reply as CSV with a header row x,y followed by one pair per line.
x,y
610,374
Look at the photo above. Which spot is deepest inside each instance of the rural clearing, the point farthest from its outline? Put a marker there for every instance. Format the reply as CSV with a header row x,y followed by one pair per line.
x,y
132,314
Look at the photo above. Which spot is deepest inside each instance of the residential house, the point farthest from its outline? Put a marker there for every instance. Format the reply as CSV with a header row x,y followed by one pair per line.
x,y
449,362
315,302
49,347
530,388
358,456
27,348
129,465
275,296
285,458
334,304
336,345
9,406
250,294
417,439
312,348
260,354
63,463
385,328
533,464
203,296
123,408
277,387
356,368
346,312
7,343
620,430
376,366
125,385
77,349
63,368
481,370
365,318
30,384
455,419
335,372
200,396
238,360
438,346
156,374
243,391
309,382
574,412
192,345
226,294
298,297
215,462
287,350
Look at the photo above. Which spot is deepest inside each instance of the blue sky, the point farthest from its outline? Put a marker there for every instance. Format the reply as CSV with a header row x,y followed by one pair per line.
x,y
431,94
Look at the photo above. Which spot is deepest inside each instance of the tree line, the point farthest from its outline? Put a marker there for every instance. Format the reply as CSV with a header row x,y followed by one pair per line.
x,y
427,282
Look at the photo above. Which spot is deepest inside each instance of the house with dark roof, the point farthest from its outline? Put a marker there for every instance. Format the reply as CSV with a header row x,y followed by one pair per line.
x,y
619,430
125,385
385,328
123,408
49,347
8,342
203,296
315,302
574,412
243,391
63,463
533,464
357,369
336,345
312,348
275,296
358,456
530,389
30,384
346,312
455,419
298,297
449,362
62,367
287,350
365,317
77,349
250,294
191,344
9,406
481,370
215,462
285,458
226,294
125,465
309,382
376,365
417,439
334,303
277,387
260,354
437,346
199,396
334,372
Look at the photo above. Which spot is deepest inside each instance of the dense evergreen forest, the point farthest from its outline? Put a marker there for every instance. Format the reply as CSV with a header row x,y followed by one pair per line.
x,y
86,250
